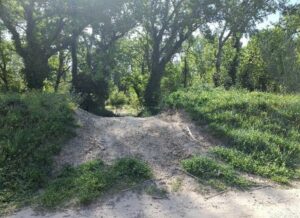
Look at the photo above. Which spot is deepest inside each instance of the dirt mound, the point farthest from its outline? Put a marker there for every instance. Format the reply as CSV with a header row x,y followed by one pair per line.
x,y
162,141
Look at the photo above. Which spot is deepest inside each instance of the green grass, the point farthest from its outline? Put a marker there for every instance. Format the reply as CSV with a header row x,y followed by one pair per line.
x,y
247,163
90,180
33,128
215,174
259,128
156,192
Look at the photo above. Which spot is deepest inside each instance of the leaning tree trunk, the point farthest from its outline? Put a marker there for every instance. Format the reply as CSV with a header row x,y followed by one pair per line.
x,y
153,91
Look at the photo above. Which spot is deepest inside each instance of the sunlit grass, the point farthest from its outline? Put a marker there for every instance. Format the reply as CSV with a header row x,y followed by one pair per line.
x,y
259,128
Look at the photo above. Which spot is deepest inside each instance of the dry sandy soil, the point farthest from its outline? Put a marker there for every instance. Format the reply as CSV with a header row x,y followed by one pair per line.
x,y
163,141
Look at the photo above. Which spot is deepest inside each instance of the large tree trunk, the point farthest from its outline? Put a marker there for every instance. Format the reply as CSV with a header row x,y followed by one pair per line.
x,y
4,75
236,60
36,70
5,80
103,89
217,75
74,47
153,91
60,71
185,73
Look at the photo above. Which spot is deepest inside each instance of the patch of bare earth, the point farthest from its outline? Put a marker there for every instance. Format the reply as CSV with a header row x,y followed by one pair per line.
x,y
162,141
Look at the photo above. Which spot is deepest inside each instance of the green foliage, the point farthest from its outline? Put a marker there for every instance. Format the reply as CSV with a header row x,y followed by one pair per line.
x,y
213,173
201,60
33,127
260,126
118,99
270,62
88,181
10,66
172,80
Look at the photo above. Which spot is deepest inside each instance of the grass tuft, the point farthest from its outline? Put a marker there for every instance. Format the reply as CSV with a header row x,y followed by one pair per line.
x,y
87,182
212,173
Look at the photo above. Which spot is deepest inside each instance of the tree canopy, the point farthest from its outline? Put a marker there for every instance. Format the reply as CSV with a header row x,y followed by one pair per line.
x,y
143,49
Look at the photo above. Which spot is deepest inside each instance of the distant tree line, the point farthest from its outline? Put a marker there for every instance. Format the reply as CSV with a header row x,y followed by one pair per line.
x,y
142,49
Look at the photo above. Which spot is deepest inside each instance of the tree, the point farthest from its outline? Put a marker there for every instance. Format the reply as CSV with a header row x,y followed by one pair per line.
x,y
274,64
235,18
37,31
4,59
10,65
131,70
201,59
168,24
98,54
41,28
252,72
60,70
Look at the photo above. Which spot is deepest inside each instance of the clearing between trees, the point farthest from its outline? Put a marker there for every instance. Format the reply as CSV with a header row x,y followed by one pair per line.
x,y
163,141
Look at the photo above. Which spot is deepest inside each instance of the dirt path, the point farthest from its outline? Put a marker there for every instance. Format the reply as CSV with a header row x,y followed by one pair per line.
x,y
163,141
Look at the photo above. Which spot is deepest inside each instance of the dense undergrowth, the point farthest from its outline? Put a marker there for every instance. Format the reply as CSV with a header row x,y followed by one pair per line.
x,y
33,126
261,131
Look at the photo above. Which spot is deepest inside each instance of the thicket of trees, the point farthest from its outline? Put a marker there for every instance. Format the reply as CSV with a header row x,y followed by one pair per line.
x,y
136,51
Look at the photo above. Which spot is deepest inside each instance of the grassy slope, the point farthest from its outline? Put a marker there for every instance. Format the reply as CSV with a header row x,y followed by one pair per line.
x,y
33,128
262,130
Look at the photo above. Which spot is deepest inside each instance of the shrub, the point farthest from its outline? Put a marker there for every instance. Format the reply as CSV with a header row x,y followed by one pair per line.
x,y
118,99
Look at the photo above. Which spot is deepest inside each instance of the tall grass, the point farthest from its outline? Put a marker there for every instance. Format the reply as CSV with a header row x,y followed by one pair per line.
x,y
260,128
33,127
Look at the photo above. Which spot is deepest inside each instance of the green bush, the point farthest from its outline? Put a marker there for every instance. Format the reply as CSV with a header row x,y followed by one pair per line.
x,y
118,99
33,127
262,126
